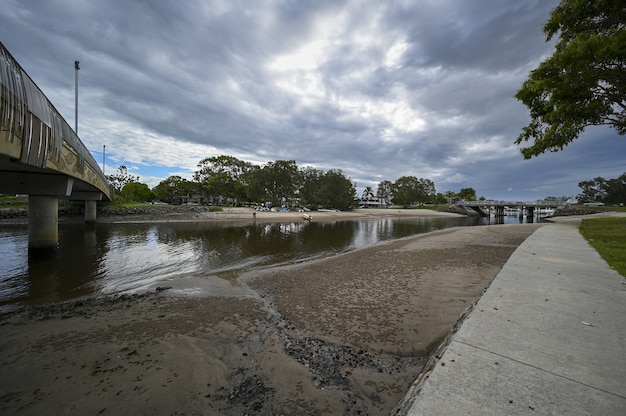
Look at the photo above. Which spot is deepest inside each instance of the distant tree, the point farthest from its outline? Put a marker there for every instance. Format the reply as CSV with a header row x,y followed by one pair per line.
x,y
593,190
450,197
583,83
337,190
119,179
172,188
408,190
281,181
310,187
384,191
609,191
136,191
428,191
252,182
616,190
439,199
221,175
467,194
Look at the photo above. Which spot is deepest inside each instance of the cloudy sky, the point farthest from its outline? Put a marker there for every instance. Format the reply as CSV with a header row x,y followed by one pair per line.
x,y
378,89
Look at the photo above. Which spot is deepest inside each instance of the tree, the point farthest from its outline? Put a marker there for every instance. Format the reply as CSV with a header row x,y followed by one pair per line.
x,y
119,179
310,188
172,188
281,180
616,190
253,184
609,191
450,196
336,190
221,175
583,82
467,194
136,191
408,190
593,190
384,191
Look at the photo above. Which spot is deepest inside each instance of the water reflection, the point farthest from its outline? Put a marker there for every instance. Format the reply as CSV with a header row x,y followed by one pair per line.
x,y
112,258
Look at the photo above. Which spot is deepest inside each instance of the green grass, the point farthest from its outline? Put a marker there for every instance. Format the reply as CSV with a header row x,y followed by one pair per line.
x,y
12,201
608,237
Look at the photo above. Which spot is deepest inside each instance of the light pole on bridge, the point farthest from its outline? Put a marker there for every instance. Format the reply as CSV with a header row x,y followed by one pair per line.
x,y
76,68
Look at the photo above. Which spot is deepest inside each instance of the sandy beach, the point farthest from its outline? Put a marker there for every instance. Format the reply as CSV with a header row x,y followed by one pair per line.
x,y
192,213
342,335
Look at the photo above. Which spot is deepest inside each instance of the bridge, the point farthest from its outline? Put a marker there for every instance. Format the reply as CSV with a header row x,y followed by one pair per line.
x,y
500,207
41,156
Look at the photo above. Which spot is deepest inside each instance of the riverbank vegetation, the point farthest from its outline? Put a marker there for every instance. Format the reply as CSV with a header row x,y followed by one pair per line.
x,y
226,180
606,191
608,237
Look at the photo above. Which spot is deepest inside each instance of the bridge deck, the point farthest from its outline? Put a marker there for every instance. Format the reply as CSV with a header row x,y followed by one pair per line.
x,y
39,152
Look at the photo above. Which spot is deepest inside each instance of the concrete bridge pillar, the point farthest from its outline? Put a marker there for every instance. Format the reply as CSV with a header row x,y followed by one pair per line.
x,y
43,222
90,212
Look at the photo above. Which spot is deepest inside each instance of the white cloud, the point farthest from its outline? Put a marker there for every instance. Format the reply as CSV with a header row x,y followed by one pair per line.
x,y
377,89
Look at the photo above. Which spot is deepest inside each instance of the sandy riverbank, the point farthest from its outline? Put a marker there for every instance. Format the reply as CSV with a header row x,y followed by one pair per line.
x,y
344,335
192,213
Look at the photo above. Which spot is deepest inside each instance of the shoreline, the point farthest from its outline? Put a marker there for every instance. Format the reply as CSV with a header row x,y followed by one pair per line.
x,y
339,335
191,213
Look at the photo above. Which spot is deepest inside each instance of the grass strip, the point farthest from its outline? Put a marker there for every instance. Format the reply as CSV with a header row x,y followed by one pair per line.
x,y
608,237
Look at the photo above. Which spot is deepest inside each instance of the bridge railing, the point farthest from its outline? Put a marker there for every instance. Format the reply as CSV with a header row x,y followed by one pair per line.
x,y
28,115
496,203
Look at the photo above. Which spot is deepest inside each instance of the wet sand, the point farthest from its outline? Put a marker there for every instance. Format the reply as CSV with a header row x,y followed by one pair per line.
x,y
342,335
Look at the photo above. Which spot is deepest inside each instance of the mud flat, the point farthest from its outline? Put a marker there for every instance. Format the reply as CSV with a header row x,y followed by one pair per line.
x,y
342,335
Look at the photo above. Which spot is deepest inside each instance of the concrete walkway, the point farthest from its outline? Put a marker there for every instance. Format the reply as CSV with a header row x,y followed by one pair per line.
x,y
547,338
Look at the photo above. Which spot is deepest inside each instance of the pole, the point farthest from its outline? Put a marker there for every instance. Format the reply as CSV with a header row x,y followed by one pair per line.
x,y
104,149
76,68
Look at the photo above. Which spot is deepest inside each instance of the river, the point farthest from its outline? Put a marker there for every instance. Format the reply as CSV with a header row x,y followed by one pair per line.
x,y
126,258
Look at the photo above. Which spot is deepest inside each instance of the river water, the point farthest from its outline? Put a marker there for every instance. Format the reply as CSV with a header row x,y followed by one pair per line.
x,y
125,258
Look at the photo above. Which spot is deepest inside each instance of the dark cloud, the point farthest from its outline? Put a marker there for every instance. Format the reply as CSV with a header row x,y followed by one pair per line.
x,y
377,89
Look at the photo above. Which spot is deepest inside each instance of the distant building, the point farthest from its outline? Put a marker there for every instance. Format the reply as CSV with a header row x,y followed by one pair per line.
x,y
372,202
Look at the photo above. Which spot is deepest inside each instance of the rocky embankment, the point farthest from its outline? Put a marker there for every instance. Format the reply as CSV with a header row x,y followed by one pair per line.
x,y
72,211
569,210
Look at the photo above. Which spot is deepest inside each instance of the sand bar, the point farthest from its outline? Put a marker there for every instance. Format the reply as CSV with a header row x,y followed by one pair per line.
x,y
342,335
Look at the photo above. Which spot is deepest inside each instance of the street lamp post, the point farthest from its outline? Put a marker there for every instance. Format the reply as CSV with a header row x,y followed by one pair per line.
x,y
76,68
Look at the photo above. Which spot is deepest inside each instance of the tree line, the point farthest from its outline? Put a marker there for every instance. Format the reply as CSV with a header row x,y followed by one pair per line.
x,y
607,191
231,181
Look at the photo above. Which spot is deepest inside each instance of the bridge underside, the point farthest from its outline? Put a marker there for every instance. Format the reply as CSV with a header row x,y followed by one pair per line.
x,y
21,179
41,156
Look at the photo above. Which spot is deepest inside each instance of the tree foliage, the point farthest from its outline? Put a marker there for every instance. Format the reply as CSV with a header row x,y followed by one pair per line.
x,y
583,82
280,180
310,190
172,188
384,191
467,194
608,191
409,190
222,175
135,191
120,178
336,190
281,183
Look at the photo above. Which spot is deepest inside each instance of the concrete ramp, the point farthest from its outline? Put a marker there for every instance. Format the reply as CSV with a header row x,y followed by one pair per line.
x,y
547,338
